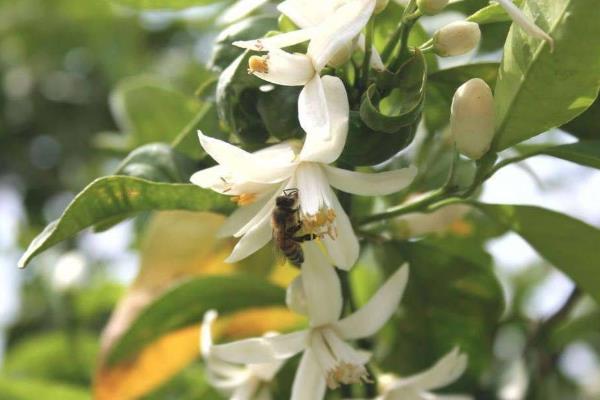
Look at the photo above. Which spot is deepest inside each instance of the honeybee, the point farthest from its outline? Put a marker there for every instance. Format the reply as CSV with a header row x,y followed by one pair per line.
x,y
286,224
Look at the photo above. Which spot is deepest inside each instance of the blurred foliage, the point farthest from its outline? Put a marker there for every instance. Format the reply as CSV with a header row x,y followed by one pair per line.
x,y
91,89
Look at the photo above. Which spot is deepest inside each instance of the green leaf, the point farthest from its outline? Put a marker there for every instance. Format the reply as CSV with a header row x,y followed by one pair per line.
x,y
163,4
586,125
568,243
585,152
186,303
236,101
150,111
441,86
538,90
365,146
452,299
278,110
488,15
12,388
111,197
156,162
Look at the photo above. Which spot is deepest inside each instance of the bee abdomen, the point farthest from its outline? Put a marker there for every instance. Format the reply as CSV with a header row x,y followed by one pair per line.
x,y
293,252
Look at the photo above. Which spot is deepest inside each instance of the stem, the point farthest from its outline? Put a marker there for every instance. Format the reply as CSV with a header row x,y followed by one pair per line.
x,y
364,83
397,62
393,41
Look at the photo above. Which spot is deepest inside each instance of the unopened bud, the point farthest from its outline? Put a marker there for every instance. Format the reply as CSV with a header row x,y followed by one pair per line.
x,y
343,55
431,7
456,38
472,118
295,297
380,5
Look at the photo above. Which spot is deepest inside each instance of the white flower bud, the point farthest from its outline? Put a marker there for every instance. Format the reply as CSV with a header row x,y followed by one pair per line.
x,y
472,118
431,7
295,297
438,222
456,38
343,55
380,5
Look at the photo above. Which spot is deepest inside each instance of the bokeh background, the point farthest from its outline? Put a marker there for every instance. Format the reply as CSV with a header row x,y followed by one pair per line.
x,y
62,64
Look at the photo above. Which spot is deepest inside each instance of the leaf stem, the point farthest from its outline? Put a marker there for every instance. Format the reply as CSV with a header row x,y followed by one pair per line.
x,y
364,82
393,41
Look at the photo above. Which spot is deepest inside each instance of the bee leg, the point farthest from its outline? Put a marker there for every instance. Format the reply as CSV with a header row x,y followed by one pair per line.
x,y
293,229
305,238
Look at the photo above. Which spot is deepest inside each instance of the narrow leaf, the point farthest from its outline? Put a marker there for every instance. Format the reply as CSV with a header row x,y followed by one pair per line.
x,y
115,196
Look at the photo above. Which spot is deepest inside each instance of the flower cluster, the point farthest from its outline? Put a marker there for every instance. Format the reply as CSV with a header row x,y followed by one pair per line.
x,y
333,30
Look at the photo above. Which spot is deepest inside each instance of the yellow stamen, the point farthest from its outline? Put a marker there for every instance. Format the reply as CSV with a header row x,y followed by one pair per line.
x,y
244,199
258,64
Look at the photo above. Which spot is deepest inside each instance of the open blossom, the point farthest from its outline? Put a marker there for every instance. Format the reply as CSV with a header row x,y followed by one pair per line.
x,y
525,23
239,382
312,13
328,360
331,36
418,387
255,179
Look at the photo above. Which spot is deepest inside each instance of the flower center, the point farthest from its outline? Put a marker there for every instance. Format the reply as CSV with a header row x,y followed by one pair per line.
x,y
342,364
321,223
258,64
244,199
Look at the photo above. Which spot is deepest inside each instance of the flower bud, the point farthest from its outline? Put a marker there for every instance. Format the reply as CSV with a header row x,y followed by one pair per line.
x,y
472,118
295,297
431,7
380,5
456,38
445,219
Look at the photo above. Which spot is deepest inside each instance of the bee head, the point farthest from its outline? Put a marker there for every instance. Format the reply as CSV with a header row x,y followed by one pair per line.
x,y
288,200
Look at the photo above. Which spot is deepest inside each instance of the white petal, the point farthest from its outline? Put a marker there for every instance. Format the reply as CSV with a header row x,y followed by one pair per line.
x,y
309,382
254,239
239,10
373,315
267,371
245,391
220,180
206,340
277,41
286,69
525,23
338,29
306,13
375,62
447,370
262,350
241,163
240,217
225,384
326,133
345,248
370,184
322,287
313,189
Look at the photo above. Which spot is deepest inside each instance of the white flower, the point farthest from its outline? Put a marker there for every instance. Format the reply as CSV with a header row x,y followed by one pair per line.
x,y
456,38
431,7
525,23
472,118
311,13
328,360
327,39
418,387
239,382
257,178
